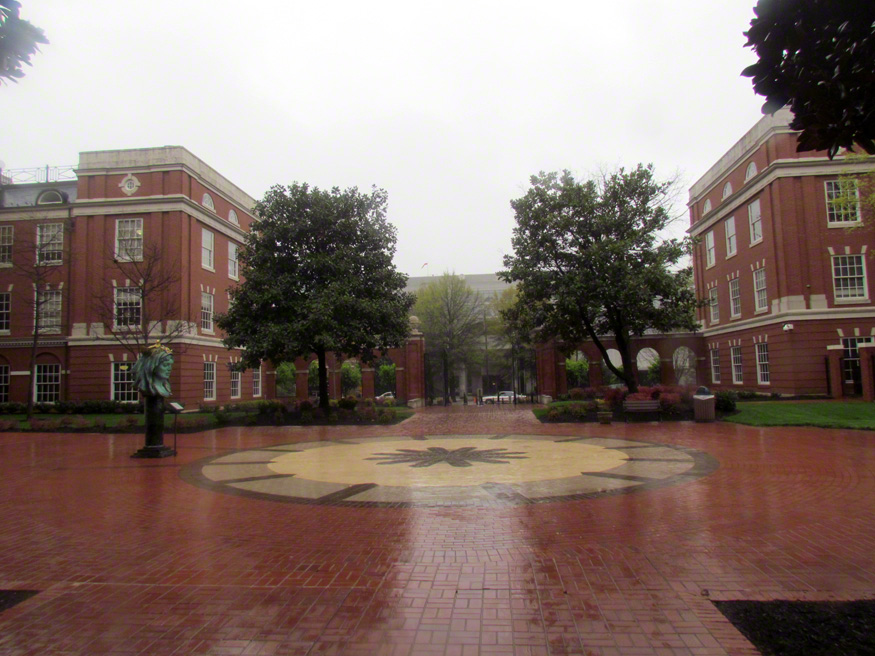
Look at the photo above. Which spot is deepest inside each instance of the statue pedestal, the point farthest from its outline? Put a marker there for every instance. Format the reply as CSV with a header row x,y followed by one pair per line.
x,y
155,447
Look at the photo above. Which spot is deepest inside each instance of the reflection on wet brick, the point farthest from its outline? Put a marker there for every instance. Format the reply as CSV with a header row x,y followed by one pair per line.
x,y
129,558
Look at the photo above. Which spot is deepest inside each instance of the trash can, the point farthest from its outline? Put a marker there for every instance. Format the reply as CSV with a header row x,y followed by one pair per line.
x,y
704,405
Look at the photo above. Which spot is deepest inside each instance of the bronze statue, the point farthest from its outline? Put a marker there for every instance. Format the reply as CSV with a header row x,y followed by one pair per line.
x,y
152,371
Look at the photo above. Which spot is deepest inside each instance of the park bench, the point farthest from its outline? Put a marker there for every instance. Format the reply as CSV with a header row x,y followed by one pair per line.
x,y
636,406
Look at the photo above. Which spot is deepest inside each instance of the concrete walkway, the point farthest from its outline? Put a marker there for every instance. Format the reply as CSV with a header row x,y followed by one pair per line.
x,y
156,557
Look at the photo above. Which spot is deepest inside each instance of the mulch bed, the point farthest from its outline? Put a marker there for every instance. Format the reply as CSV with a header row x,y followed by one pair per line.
x,y
805,628
9,598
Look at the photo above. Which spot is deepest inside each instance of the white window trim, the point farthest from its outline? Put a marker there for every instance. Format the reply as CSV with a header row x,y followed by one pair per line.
x,y
204,314
211,250
42,315
39,245
750,171
126,257
239,379
11,244
210,366
7,331
715,365
841,224
730,222
736,380
256,375
112,396
710,250
115,323
853,300
713,306
36,380
732,313
750,221
727,191
757,350
233,246
756,297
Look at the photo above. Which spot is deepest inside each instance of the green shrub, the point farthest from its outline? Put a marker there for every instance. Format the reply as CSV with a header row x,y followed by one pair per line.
x,y
347,403
725,400
386,416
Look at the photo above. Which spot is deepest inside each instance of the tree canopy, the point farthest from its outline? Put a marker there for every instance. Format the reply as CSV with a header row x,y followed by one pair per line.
x,y
452,319
589,262
817,56
19,41
318,277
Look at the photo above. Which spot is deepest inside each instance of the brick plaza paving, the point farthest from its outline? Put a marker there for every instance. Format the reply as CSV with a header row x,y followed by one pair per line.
x,y
174,556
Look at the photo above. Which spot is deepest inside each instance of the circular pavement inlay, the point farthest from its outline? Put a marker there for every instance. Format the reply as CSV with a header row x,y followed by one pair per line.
x,y
449,470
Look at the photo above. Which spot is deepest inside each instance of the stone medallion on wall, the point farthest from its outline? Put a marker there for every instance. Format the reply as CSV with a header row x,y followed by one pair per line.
x,y
449,470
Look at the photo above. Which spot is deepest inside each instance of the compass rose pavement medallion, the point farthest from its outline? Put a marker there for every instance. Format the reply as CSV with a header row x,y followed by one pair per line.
x,y
449,470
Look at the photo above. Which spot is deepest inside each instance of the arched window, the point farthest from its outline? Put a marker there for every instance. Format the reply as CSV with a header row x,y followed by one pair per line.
x,y
232,217
207,201
727,189
751,171
50,197
706,207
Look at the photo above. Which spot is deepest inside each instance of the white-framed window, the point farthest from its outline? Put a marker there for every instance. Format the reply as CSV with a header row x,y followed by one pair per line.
x,y
50,243
851,356
128,307
710,251
842,202
715,366
737,372
5,311
762,363
48,302
714,305
123,388
47,388
233,265
207,201
232,217
707,206
759,290
730,236
129,240
206,312
50,197
209,381
4,383
750,171
256,382
208,249
734,298
7,235
727,190
755,220
235,384
849,277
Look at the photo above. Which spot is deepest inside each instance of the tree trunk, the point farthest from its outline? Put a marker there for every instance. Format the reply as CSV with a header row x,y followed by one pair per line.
x,y
446,367
323,380
629,376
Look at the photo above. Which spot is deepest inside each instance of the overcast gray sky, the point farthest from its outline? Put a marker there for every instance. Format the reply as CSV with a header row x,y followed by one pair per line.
x,y
448,106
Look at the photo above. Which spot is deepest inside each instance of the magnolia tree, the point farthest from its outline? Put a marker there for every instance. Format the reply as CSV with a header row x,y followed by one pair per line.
x,y
589,263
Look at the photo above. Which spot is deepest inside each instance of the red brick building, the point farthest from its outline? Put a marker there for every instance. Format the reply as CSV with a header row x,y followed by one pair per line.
x,y
76,245
784,268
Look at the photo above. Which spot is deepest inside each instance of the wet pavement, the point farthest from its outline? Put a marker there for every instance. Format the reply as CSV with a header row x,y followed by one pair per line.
x,y
463,531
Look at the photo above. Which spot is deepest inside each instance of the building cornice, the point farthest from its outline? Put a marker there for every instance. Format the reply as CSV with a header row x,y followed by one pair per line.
x,y
865,312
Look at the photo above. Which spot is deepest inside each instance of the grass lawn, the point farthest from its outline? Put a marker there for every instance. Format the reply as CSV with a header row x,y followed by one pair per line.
x,y
825,414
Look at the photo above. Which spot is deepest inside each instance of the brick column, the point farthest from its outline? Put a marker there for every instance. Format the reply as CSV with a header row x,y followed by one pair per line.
x,y
595,372
666,371
836,380
301,381
866,370
367,383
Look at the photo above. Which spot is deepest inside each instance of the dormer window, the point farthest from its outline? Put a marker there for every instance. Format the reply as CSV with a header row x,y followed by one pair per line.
x,y
207,201
727,190
751,171
232,217
50,197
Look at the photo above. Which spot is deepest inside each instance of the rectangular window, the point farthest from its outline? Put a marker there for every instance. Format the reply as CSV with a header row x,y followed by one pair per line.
x,y
849,277
209,381
4,383
123,383
128,307
737,373
129,240
762,364
759,288
851,356
48,303
756,222
734,298
48,383
206,312
5,311
710,253
730,236
233,268
715,306
6,236
842,202
235,384
208,242
715,366
256,382
50,243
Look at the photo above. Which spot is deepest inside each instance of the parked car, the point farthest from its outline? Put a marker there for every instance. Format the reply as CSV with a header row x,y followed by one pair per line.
x,y
501,397
387,395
